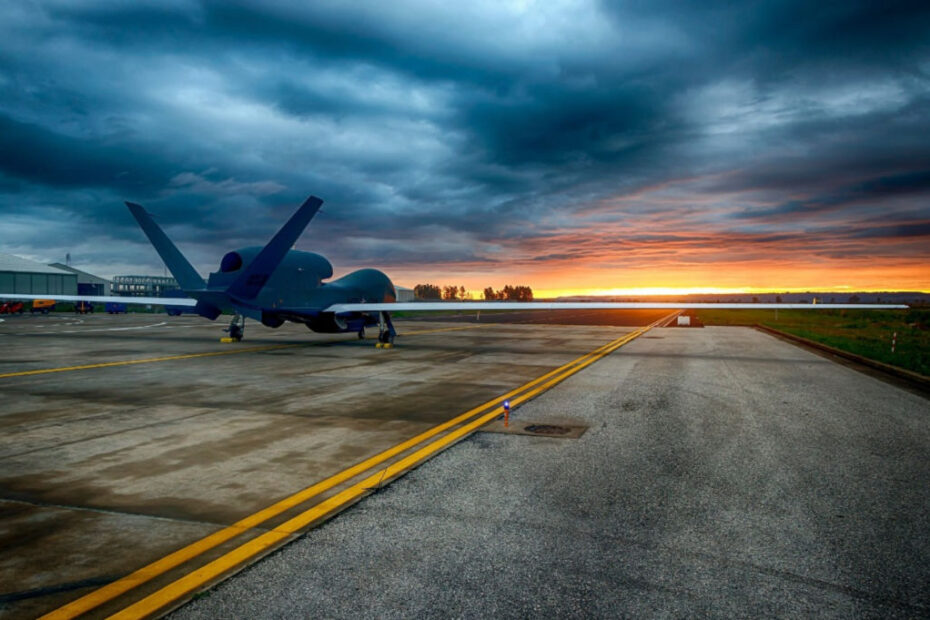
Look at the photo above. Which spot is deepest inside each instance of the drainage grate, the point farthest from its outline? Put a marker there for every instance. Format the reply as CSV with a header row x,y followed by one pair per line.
x,y
547,429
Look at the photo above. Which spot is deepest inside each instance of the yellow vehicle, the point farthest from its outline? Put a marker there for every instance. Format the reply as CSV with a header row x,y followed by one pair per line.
x,y
42,305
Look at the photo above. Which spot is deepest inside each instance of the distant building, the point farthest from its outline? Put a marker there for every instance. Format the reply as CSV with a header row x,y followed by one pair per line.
x,y
87,283
404,293
143,286
26,277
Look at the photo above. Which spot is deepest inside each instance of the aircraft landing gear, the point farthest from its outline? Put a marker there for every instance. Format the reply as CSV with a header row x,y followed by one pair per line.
x,y
236,329
361,334
386,331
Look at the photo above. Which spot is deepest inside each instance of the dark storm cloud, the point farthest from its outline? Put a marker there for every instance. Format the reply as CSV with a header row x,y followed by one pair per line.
x,y
35,154
435,132
871,193
896,231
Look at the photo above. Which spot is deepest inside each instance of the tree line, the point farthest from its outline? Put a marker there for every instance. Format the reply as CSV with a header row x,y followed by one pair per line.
x,y
452,293
509,293
435,291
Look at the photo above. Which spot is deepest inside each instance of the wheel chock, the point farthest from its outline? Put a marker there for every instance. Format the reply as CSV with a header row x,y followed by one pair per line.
x,y
379,345
227,340
388,345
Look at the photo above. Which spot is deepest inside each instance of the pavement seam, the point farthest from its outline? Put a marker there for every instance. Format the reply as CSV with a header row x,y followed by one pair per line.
x,y
261,545
212,410
151,360
147,360
269,538
110,511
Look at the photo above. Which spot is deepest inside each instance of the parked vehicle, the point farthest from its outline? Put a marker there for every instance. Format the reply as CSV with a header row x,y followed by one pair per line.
x,y
42,305
83,307
12,307
115,307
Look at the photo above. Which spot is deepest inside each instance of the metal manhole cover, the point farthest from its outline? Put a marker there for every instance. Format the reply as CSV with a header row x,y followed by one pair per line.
x,y
547,429
554,429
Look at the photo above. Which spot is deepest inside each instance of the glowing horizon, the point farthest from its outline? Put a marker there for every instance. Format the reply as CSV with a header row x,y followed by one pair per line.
x,y
673,292
658,291
681,277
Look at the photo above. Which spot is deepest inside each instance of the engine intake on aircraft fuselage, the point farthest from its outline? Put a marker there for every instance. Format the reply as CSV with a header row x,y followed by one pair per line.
x,y
231,262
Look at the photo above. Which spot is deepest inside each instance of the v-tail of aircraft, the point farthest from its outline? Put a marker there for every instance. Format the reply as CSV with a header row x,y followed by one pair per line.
x,y
274,283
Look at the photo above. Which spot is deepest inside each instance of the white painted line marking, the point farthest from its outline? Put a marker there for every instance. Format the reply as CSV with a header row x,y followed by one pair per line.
x,y
102,329
122,329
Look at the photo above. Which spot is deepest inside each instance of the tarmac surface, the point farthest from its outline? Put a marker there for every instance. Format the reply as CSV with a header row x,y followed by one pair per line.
x,y
723,473
127,439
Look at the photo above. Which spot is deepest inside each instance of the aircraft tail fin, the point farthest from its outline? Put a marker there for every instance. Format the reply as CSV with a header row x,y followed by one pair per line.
x,y
254,277
180,268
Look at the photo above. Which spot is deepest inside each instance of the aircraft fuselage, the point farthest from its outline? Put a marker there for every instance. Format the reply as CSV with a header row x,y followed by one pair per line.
x,y
296,291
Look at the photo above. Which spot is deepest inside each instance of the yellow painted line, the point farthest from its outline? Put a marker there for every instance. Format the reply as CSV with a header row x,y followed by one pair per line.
x,y
152,360
201,576
147,360
111,591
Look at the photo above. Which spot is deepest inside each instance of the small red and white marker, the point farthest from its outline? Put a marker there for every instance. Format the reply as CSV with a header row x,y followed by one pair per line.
x,y
894,340
506,413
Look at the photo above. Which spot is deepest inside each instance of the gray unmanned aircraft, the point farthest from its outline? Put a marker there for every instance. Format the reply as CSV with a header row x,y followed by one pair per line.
x,y
274,284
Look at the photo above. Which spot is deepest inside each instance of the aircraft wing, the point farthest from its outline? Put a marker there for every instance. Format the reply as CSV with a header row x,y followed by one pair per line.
x,y
471,306
103,299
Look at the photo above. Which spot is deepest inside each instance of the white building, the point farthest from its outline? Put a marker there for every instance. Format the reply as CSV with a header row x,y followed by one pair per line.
x,y
404,293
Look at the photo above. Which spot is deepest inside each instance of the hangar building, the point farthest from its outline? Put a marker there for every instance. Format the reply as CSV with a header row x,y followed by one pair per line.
x,y
87,283
26,277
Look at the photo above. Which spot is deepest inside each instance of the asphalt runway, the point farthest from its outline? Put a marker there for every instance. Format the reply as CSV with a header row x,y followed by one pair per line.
x,y
136,449
724,473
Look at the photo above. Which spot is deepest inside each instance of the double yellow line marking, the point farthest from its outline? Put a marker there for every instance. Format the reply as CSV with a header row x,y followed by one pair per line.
x,y
211,571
